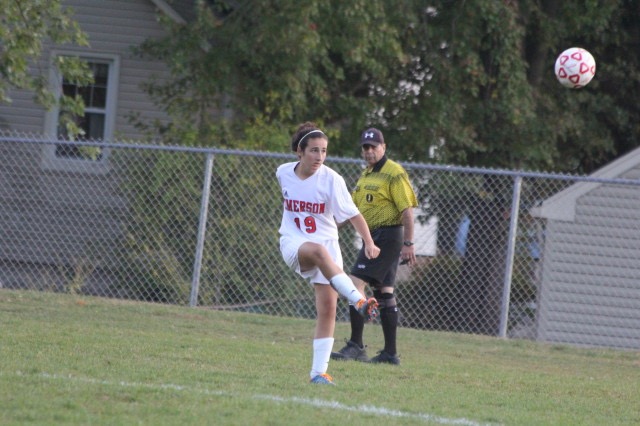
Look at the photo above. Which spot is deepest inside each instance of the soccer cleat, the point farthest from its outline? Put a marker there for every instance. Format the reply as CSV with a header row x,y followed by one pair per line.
x,y
322,379
351,351
368,308
385,358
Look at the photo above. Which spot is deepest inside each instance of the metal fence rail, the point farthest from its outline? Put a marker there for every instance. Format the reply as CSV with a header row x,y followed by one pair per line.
x,y
199,227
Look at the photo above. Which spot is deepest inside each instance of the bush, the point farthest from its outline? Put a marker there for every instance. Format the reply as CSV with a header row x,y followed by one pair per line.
x,y
428,298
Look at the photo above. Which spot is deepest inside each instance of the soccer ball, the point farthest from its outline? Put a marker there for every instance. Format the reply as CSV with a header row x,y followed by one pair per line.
x,y
575,67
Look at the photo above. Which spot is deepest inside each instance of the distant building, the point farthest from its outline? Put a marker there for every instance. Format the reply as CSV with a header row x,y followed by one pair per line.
x,y
592,234
61,193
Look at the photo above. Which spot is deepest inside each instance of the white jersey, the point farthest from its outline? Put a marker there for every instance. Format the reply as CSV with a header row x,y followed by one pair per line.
x,y
313,205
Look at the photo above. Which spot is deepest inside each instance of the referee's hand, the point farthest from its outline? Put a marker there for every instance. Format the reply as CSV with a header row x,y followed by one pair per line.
x,y
408,255
372,251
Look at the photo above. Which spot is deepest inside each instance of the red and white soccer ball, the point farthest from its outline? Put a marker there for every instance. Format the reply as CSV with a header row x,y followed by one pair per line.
x,y
575,67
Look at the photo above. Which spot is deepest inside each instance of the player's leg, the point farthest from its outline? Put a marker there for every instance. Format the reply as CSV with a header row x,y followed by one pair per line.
x,y
328,260
326,302
354,348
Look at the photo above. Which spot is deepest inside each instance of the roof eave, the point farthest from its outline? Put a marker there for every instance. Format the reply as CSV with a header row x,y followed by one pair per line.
x,y
169,11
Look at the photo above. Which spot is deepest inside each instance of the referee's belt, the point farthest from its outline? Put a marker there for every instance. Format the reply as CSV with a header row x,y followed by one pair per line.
x,y
386,227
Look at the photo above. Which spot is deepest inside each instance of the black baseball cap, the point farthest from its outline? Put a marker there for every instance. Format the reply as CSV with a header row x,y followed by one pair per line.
x,y
371,136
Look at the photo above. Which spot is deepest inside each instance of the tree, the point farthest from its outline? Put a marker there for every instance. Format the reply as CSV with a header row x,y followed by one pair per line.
x,y
26,25
280,63
492,99
468,82
455,82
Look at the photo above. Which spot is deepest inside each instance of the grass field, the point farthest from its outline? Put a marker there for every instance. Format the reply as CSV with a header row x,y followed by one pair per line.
x,y
78,360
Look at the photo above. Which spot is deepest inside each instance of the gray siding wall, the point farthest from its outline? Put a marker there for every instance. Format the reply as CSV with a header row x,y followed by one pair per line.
x,y
39,205
113,26
39,209
578,301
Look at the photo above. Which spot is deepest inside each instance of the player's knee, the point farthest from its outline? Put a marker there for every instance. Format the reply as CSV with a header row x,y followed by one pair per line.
x,y
319,251
314,253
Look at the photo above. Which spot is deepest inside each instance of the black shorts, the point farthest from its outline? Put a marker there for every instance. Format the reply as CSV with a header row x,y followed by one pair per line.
x,y
381,271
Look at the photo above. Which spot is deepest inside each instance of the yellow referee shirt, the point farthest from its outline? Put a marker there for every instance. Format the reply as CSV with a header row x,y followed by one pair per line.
x,y
382,193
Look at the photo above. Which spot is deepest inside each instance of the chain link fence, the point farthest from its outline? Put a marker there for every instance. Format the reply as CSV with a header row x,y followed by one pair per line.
x,y
199,227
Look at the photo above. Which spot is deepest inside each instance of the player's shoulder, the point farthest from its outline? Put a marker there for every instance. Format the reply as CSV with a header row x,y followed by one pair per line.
x,y
328,172
329,178
286,167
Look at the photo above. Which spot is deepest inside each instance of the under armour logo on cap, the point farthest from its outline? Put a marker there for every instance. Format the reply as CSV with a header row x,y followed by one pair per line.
x,y
371,136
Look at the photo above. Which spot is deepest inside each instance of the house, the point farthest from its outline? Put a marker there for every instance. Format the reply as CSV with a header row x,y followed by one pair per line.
x,y
589,293
52,193
113,27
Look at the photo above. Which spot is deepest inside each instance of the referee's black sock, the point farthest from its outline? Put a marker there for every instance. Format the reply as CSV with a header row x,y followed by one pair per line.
x,y
389,322
357,326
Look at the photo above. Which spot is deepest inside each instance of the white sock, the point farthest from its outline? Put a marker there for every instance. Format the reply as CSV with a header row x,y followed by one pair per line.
x,y
321,353
343,285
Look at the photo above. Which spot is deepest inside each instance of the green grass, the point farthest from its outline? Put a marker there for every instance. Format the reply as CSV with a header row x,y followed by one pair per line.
x,y
78,360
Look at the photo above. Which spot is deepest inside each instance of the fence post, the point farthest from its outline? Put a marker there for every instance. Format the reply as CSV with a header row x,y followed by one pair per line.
x,y
511,249
202,227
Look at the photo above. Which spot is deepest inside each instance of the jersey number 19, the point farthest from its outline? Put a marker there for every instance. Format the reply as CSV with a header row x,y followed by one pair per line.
x,y
309,224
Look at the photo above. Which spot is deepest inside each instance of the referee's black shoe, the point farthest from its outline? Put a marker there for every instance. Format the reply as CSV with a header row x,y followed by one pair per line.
x,y
385,358
351,351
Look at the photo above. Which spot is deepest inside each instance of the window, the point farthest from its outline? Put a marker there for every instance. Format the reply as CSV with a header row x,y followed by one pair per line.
x,y
97,122
95,102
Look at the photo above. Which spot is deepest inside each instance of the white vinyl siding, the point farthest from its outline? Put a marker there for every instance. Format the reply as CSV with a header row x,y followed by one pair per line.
x,y
86,203
579,302
113,27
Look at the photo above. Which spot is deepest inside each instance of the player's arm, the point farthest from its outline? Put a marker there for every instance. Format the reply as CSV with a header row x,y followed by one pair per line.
x,y
370,249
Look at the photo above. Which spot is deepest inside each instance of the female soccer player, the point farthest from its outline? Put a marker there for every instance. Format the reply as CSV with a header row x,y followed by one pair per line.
x,y
315,197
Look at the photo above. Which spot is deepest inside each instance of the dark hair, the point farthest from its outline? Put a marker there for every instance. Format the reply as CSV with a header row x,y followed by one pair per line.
x,y
300,137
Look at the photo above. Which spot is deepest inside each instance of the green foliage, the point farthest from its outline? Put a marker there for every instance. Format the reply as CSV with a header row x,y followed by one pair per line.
x,y
164,190
237,269
275,64
260,135
76,275
429,297
26,25
164,193
455,82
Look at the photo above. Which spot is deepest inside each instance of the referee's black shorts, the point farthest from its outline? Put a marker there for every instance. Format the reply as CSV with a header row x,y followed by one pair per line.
x,y
381,271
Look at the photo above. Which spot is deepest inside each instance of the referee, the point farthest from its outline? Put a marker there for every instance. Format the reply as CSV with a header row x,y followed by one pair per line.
x,y
386,199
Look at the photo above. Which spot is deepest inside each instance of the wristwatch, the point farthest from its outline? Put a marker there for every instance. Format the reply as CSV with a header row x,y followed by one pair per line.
x,y
408,243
